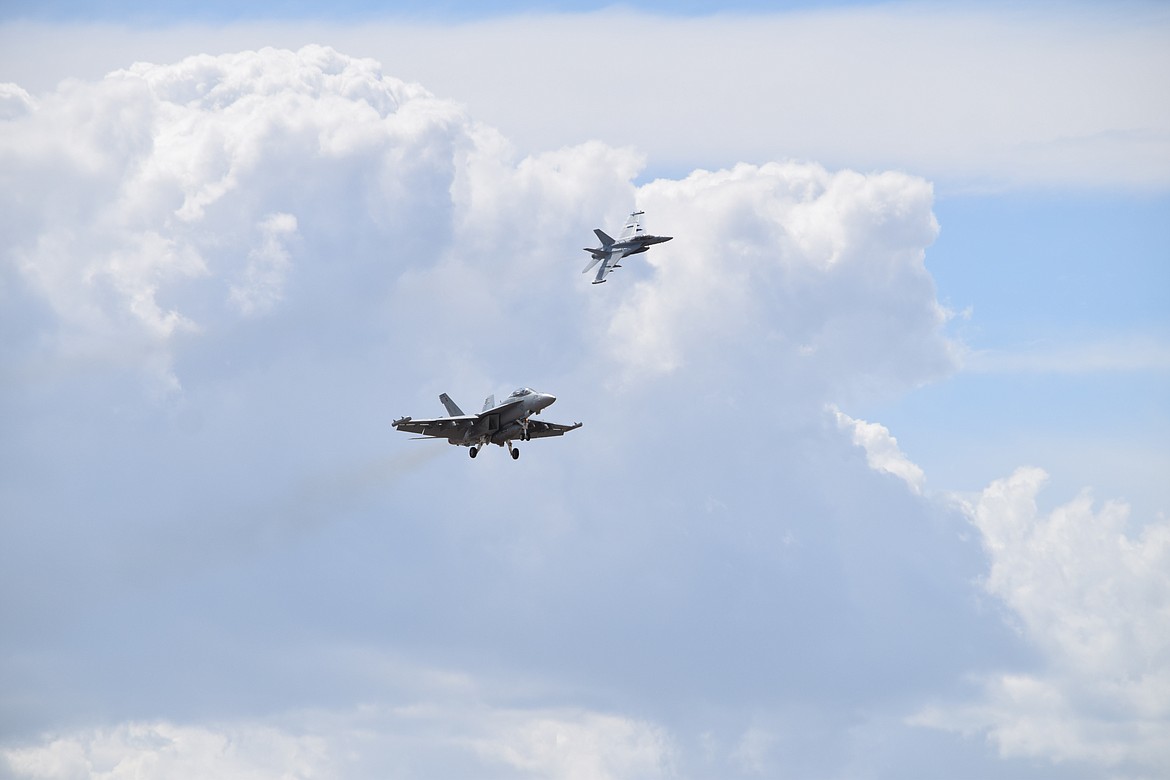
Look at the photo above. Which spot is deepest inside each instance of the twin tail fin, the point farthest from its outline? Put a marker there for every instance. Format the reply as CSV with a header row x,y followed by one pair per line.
x,y
451,407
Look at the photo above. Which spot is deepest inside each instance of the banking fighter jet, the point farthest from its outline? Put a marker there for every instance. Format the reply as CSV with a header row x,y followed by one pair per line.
x,y
633,241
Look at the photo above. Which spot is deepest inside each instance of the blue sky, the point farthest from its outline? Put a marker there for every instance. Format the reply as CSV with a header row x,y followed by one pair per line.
x,y
871,477
1045,273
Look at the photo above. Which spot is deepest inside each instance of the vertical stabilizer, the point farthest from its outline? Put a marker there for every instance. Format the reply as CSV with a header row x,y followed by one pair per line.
x,y
451,407
489,402
603,237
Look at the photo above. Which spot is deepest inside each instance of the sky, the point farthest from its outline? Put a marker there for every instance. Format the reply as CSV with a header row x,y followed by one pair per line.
x,y
871,481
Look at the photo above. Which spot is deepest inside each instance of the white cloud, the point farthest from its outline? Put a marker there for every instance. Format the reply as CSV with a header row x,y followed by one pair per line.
x,y
975,96
422,740
252,183
133,202
161,749
1136,353
262,285
881,450
1095,600
820,275
311,247
577,745
978,96
752,751
14,101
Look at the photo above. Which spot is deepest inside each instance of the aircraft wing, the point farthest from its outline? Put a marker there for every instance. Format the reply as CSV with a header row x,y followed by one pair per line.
x,y
438,427
607,264
538,429
597,258
633,226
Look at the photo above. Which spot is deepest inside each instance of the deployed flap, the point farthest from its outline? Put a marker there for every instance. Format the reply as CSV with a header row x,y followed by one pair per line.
x,y
450,406
489,402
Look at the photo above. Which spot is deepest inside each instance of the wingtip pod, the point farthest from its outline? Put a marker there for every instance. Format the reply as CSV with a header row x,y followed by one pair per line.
x,y
400,421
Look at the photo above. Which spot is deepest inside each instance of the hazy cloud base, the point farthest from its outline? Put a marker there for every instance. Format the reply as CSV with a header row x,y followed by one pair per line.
x,y
223,277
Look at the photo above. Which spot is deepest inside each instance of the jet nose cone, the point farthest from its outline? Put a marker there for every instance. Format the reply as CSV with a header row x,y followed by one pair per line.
x,y
547,399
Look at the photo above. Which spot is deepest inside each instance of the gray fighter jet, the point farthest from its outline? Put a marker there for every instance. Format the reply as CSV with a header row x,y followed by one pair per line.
x,y
632,241
497,424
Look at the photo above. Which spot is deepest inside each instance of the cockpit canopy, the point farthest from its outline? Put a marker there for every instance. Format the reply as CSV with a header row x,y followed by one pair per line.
x,y
521,391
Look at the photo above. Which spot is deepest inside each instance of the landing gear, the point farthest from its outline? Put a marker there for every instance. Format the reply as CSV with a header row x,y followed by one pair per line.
x,y
473,452
515,454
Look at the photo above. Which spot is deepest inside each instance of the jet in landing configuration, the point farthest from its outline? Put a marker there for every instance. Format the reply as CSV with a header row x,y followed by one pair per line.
x,y
497,424
632,241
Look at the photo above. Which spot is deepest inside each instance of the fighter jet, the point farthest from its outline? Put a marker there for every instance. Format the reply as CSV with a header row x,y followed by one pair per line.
x,y
497,424
632,241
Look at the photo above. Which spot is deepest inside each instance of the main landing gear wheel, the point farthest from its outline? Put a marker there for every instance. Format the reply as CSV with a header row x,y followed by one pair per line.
x,y
474,451
515,454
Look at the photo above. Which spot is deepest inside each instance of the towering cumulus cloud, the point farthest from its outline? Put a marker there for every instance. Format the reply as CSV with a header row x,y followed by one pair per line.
x,y
221,279
165,200
1095,601
824,269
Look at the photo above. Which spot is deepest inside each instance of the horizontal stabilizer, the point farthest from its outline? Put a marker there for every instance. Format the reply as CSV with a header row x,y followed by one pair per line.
x,y
596,259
